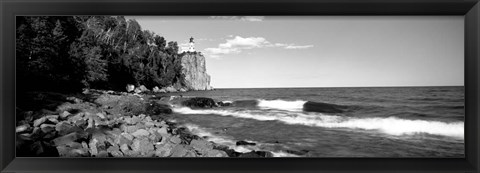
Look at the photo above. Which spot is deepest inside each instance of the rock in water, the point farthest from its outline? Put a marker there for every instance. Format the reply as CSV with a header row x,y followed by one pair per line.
x,y
244,143
195,72
200,102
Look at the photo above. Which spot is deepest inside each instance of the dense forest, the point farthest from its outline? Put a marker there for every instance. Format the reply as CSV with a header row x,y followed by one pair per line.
x,y
68,53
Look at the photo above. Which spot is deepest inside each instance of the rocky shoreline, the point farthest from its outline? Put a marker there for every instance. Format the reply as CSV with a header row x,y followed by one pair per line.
x,y
101,123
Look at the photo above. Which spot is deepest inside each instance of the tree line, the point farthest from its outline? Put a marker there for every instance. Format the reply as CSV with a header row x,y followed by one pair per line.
x,y
67,53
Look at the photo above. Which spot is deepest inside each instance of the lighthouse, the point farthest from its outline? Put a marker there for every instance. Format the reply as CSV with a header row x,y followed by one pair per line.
x,y
191,45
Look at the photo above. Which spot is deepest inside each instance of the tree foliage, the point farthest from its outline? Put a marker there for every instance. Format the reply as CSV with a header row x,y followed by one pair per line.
x,y
55,52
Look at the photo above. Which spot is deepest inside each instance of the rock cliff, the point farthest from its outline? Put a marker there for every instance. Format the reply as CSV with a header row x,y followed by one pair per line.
x,y
195,72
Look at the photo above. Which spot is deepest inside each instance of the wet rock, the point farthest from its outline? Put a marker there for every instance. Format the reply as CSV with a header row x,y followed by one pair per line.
x,y
223,104
140,133
154,108
143,146
300,152
256,154
226,149
244,143
199,102
22,128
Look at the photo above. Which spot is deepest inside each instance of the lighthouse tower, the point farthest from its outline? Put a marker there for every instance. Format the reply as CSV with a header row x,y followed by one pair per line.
x,y
191,45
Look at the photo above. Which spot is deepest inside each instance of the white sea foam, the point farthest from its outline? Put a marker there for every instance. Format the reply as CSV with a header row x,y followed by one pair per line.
x,y
282,104
388,125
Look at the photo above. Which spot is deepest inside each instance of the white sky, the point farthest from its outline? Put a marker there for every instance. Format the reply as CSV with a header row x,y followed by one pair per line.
x,y
322,51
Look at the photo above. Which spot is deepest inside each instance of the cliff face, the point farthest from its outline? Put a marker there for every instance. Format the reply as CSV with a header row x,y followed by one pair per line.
x,y
195,72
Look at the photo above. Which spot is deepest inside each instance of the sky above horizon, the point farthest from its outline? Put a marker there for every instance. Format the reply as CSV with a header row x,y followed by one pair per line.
x,y
321,51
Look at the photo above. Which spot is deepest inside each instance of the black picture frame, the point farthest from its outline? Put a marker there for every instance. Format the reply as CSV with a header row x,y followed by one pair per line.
x,y
470,9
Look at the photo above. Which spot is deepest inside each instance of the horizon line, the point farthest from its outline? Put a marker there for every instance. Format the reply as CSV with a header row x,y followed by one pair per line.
x,y
346,87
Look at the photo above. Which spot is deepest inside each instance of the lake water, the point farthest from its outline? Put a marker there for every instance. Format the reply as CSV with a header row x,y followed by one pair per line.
x,y
334,122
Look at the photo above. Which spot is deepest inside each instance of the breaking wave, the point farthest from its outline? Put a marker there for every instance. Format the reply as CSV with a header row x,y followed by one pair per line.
x,y
388,125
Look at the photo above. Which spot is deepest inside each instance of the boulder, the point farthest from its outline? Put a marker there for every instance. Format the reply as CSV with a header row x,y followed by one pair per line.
x,y
65,114
216,153
182,151
154,108
223,104
74,150
22,128
140,133
143,146
39,121
244,143
164,150
170,89
143,88
183,90
201,146
156,89
256,154
69,139
175,140
115,151
47,128
130,88
64,128
199,102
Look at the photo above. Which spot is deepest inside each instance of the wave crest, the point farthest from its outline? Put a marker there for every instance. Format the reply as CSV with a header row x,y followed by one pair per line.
x,y
388,125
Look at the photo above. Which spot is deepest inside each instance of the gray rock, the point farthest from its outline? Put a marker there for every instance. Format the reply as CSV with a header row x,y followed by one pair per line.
x,y
162,131
69,138
216,153
201,145
143,146
115,151
143,88
22,128
39,121
65,128
47,128
175,140
75,150
101,115
140,133
130,129
65,114
130,88
182,151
